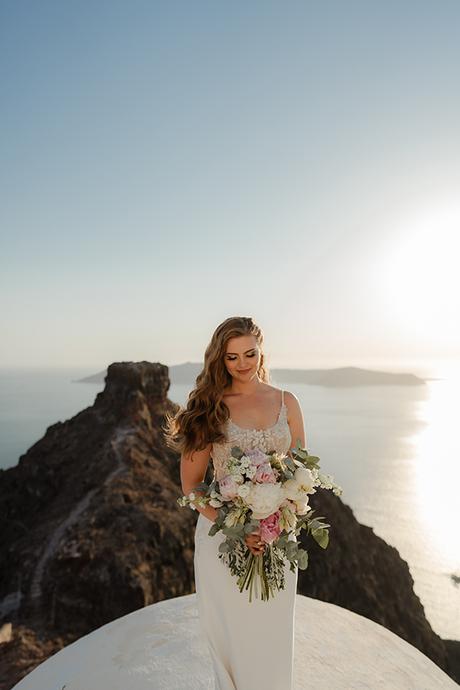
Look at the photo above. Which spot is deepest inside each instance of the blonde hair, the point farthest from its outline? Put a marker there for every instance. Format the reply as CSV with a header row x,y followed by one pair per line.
x,y
200,422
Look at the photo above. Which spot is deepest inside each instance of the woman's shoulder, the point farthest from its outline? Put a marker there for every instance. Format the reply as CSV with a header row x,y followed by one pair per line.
x,y
291,401
287,395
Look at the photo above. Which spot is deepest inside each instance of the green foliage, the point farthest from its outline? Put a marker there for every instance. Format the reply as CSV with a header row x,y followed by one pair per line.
x,y
251,526
302,559
291,550
234,531
202,486
321,536
213,529
225,547
290,464
282,540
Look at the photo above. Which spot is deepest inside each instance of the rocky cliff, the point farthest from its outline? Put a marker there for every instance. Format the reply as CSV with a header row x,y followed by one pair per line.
x,y
90,530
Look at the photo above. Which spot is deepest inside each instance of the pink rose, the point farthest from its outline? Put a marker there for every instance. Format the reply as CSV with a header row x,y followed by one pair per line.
x,y
228,488
265,474
270,527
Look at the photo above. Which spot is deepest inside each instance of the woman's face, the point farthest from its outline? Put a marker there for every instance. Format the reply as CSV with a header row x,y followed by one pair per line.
x,y
242,357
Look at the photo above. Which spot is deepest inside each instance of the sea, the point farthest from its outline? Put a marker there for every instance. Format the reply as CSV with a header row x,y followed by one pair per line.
x,y
394,450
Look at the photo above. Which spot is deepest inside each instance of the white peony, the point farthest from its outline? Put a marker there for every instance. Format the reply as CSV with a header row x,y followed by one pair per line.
x,y
302,506
291,489
305,480
298,488
264,499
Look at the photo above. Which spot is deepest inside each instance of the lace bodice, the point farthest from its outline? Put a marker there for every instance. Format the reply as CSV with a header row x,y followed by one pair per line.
x,y
276,437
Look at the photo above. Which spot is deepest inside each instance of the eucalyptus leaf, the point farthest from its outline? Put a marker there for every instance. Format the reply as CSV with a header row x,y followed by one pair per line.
x,y
282,541
302,454
321,536
202,486
316,523
290,463
235,531
291,549
251,526
302,560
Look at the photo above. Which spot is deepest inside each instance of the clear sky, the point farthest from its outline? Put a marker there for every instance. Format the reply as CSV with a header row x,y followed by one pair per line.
x,y
167,165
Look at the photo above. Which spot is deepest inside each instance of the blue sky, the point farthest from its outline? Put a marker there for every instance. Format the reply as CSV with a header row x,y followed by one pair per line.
x,y
167,165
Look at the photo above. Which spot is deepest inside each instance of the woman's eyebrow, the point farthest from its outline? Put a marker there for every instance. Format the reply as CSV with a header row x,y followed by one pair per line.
x,y
235,353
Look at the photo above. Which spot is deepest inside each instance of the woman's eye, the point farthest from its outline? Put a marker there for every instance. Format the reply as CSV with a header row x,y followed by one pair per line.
x,y
232,359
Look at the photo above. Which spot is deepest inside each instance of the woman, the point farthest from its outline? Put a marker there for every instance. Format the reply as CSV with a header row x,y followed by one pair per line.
x,y
251,643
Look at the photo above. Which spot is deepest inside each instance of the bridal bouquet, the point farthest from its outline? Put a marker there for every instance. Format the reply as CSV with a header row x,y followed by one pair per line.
x,y
266,493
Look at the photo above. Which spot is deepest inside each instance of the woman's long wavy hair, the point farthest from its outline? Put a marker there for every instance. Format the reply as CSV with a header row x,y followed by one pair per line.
x,y
200,422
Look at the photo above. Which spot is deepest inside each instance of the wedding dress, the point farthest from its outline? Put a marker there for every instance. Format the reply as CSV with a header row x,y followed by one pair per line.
x,y
251,643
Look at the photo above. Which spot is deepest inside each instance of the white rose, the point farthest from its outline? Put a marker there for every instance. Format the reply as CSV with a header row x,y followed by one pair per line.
x,y
264,499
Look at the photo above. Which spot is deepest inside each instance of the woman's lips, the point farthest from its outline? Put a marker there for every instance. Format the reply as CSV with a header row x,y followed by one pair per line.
x,y
244,371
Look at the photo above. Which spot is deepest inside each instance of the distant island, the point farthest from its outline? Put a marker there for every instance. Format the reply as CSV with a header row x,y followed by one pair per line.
x,y
341,377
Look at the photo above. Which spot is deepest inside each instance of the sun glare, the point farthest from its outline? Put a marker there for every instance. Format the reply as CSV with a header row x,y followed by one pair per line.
x,y
421,276
437,472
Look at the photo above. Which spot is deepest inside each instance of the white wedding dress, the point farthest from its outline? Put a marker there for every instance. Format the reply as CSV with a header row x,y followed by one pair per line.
x,y
251,644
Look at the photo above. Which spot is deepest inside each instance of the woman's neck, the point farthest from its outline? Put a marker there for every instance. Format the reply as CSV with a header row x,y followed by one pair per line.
x,y
245,387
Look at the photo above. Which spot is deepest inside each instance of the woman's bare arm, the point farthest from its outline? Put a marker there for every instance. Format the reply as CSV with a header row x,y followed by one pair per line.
x,y
193,468
295,420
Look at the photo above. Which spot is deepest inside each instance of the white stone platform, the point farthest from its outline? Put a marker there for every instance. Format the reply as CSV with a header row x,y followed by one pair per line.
x,y
159,647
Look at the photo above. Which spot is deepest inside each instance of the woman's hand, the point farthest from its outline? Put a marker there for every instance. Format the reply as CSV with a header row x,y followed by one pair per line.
x,y
254,543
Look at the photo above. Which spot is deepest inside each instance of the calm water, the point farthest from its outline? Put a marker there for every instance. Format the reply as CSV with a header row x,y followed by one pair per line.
x,y
395,451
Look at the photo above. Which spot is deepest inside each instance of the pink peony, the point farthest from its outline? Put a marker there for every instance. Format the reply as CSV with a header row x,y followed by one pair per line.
x,y
270,527
228,488
265,474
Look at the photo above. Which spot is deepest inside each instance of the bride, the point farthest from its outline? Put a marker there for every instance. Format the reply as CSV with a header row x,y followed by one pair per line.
x,y
251,644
